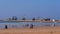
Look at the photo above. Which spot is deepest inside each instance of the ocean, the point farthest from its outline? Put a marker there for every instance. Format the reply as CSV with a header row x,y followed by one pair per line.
x,y
24,24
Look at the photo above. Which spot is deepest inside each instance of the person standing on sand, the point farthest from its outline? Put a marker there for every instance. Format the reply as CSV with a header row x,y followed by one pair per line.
x,y
31,26
6,27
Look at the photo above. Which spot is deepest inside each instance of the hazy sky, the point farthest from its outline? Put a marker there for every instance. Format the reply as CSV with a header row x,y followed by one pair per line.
x,y
30,8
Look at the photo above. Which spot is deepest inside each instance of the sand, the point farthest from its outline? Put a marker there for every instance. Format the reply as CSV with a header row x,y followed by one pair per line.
x,y
41,30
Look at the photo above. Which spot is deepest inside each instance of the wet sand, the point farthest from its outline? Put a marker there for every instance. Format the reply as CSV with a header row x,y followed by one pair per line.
x,y
41,30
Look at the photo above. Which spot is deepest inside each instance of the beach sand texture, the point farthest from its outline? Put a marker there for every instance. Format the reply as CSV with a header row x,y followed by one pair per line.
x,y
42,30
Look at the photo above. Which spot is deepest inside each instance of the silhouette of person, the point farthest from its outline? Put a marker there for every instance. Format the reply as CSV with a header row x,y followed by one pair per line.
x,y
6,27
27,25
31,26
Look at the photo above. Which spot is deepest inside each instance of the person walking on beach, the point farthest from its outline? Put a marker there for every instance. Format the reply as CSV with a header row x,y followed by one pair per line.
x,y
6,27
31,26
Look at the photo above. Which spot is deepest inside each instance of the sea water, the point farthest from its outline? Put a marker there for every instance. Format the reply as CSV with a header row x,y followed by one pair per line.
x,y
23,24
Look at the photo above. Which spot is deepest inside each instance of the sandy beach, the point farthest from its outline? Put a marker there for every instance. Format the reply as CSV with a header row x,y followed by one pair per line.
x,y
42,30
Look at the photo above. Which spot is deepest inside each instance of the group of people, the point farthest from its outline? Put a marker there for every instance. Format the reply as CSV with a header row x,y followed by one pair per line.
x,y
29,25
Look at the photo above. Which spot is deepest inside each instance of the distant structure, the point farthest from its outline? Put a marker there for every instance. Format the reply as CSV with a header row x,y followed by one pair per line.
x,y
14,18
47,19
23,18
33,19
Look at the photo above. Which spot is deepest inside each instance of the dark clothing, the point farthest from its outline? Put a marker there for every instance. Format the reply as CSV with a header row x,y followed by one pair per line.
x,y
31,26
6,27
